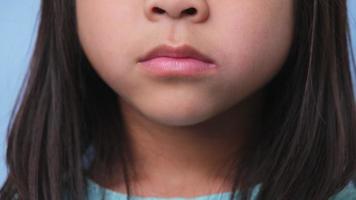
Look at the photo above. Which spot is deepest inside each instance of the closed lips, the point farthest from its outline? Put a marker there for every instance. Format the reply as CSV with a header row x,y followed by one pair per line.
x,y
184,51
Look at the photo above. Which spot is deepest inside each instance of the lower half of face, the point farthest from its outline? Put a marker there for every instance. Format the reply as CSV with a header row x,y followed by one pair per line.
x,y
248,40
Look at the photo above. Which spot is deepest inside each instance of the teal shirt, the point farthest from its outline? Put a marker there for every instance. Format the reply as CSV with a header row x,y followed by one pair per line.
x,y
95,192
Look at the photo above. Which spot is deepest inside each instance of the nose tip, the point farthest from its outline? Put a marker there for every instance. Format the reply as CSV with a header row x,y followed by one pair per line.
x,y
195,10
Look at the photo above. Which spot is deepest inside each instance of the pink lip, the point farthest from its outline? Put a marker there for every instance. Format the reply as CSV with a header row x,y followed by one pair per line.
x,y
181,61
168,66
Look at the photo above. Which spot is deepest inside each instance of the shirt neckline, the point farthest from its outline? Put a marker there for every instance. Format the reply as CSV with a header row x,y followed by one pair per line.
x,y
95,188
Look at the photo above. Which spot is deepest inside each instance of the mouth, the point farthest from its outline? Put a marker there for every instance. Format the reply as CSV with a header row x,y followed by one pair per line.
x,y
168,61
184,51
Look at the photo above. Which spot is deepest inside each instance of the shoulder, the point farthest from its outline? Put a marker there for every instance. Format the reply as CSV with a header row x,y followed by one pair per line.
x,y
347,193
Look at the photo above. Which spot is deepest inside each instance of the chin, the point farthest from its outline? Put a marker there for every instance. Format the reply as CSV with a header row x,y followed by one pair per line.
x,y
177,115
174,120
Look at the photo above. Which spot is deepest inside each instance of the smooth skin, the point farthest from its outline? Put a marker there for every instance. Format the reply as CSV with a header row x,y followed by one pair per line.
x,y
183,131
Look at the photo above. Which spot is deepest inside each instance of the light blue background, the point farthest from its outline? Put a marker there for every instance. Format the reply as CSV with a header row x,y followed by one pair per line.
x,y
18,25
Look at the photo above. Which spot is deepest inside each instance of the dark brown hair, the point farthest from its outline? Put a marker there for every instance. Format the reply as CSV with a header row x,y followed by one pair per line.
x,y
306,149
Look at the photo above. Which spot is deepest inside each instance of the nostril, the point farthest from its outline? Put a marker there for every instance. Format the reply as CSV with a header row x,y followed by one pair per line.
x,y
190,11
158,10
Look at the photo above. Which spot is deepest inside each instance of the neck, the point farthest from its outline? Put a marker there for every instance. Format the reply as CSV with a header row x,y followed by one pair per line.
x,y
166,158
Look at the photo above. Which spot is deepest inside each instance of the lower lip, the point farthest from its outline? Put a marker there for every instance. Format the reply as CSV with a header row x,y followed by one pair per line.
x,y
173,67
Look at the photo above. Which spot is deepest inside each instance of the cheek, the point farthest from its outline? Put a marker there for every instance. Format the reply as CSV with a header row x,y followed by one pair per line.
x,y
106,36
256,43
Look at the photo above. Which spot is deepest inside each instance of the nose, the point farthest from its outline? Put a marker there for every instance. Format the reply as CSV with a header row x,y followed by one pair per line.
x,y
195,10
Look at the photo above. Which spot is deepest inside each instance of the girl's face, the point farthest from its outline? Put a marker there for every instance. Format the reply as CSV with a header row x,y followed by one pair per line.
x,y
248,39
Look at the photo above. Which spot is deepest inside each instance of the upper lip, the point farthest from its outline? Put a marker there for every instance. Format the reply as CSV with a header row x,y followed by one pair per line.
x,y
183,51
